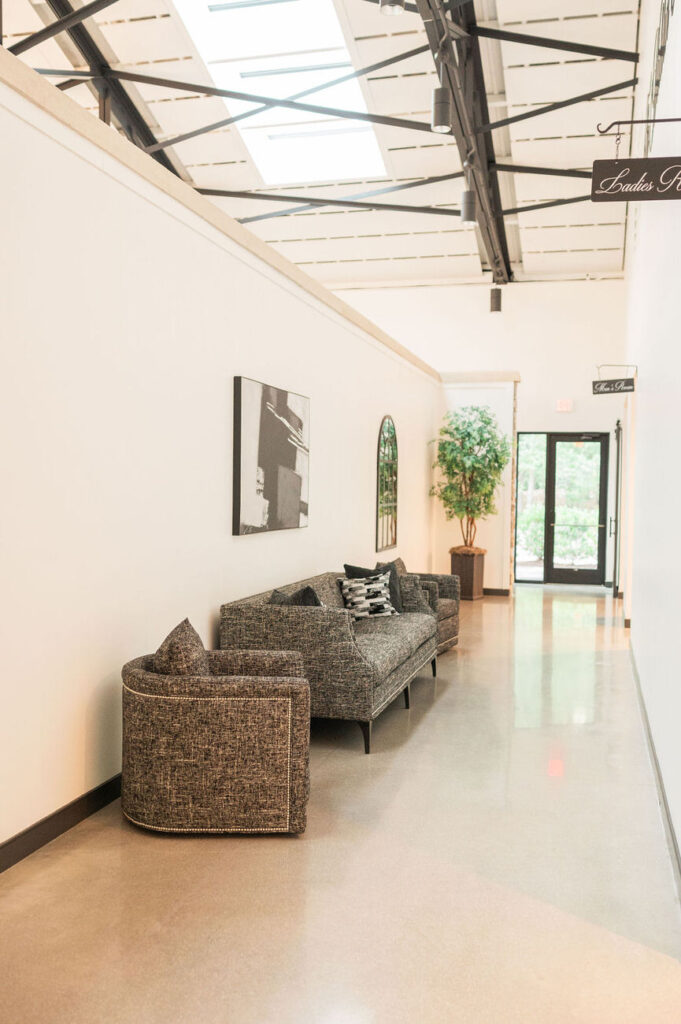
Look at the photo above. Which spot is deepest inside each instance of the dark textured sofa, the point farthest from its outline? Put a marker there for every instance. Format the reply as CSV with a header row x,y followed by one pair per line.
x,y
224,752
355,667
444,597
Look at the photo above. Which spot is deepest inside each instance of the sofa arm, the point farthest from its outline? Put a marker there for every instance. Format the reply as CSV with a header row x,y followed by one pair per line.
x,y
341,679
431,592
256,663
449,586
413,598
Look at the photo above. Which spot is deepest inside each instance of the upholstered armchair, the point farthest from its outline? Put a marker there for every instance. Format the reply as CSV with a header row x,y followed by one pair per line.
x,y
222,752
443,593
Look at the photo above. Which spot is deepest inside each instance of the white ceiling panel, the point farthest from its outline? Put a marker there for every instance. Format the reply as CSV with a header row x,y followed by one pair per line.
x,y
552,83
535,188
577,262
453,243
576,152
576,214
552,239
542,12
391,271
137,40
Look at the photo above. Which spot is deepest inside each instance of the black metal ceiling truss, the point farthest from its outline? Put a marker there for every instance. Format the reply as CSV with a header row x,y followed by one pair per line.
x,y
387,189
307,203
298,96
453,39
459,64
61,25
279,197
308,108
112,94
503,35
538,111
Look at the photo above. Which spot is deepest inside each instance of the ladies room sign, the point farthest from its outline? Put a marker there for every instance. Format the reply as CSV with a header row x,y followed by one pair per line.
x,y
624,181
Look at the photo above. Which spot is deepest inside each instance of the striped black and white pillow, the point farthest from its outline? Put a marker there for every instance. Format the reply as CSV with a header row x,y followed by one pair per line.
x,y
367,596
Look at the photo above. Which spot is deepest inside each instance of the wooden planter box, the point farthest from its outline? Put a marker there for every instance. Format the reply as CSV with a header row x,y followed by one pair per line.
x,y
470,568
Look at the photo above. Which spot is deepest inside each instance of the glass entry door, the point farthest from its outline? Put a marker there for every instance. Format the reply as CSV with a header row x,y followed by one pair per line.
x,y
576,508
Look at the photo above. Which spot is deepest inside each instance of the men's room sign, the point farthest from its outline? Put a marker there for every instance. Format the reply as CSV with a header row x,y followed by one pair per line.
x,y
624,181
613,387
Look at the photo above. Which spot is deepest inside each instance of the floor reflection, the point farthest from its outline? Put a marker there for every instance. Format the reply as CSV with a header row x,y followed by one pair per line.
x,y
550,689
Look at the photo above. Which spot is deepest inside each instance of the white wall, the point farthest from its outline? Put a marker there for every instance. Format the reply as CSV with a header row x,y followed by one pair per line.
x,y
653,285
494,533
125,317
553,334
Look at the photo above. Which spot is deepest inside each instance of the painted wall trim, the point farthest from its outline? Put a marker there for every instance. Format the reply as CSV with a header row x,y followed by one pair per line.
x,y
481,377
496,591
44,831
28,83
670,833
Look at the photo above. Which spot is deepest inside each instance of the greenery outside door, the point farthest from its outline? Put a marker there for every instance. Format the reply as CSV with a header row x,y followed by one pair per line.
x,y
561,508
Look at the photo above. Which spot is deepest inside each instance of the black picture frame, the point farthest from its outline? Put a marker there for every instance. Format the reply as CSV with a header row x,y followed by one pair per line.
x,y
271,458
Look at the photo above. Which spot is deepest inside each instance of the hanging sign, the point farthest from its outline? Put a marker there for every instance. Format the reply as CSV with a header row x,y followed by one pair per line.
x,y
613,387
621,181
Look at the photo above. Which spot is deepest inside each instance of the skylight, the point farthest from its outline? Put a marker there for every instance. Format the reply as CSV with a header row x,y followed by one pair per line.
x,y
281,48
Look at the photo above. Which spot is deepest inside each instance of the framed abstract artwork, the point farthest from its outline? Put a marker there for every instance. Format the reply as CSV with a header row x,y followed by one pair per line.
x,y
271,458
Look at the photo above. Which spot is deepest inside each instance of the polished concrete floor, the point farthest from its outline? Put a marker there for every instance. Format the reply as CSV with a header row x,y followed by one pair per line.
x,y
498,859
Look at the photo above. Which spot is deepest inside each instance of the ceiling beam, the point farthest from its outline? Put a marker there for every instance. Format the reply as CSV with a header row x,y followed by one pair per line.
x,y
278,197
557,106
558,172
554,44
459,64
122,106
61,25
358,195
225,122
112,74
547,205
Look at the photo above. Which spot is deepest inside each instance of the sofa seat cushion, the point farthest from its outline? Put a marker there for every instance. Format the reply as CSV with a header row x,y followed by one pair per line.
x,y
387,643
447,608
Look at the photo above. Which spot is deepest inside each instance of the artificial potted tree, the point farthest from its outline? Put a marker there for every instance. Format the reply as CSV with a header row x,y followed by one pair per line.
x,y
472,453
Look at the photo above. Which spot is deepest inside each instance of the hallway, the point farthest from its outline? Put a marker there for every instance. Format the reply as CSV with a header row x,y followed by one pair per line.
x,y
499,859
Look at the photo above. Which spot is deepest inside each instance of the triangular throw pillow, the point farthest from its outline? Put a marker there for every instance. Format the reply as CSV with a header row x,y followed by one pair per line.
x,y
182,653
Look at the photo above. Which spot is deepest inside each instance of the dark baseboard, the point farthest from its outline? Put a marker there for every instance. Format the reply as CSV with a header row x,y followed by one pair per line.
x,y
672,840
496,592
44,831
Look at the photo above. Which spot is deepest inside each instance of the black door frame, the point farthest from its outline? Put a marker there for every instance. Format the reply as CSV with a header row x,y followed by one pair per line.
x,y
594,577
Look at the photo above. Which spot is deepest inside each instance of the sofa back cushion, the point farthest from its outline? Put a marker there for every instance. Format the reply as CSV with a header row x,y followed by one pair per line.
x,y
325,586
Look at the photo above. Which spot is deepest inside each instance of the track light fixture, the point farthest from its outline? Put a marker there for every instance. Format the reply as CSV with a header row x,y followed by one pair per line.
x,y
392,6
468,208
468,205
441,120
495,300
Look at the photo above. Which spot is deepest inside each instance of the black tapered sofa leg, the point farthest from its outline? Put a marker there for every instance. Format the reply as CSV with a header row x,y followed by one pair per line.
x,y
433,665
407,696
366,732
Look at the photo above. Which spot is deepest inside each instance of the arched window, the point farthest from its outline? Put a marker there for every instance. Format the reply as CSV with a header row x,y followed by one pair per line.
x,y
386,506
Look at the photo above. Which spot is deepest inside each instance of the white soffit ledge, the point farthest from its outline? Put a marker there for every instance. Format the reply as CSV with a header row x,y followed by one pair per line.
x,y
483,377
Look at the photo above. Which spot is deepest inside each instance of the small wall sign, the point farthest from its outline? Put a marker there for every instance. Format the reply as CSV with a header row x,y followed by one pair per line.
x,y
621,181
613,387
